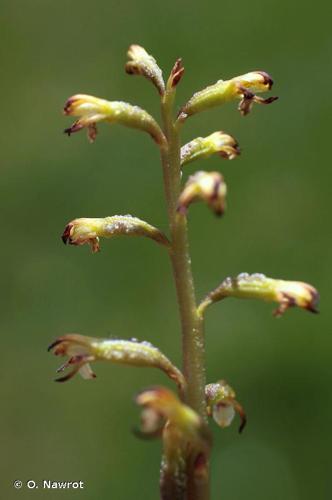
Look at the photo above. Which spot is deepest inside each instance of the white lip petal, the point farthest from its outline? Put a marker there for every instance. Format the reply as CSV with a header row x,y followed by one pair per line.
x,y
223,414
86,372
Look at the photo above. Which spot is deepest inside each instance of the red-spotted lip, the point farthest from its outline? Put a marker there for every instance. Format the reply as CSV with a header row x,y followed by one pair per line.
x,y
66,235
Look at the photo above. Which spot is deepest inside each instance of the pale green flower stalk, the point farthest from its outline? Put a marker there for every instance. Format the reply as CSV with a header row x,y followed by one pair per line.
x,y
181,421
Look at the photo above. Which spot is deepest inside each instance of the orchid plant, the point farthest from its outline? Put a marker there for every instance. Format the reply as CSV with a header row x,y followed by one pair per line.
x,y
180,420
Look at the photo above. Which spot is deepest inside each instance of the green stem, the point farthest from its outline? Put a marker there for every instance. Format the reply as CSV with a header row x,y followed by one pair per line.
x,y
193,348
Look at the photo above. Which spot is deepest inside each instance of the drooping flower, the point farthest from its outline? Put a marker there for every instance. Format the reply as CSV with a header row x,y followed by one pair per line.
x,y
92,110
243,87
89,230
83,350
203,147
222,405
258,286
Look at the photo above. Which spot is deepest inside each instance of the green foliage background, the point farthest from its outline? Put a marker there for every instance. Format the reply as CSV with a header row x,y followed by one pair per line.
x,y
277,223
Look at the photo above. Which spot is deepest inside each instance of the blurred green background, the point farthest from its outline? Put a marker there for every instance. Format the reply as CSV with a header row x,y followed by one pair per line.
x,y
277,222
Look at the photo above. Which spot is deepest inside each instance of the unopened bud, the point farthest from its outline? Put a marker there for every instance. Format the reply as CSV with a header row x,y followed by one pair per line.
x,y
176,74
203,147
92,110
89,230
242,87
142,63
206,186
258,286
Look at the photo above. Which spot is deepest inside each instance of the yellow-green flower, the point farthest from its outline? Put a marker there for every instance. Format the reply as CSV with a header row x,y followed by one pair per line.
x,y
203,147
89,230
243,87
222,405
90,110
258,286
82,350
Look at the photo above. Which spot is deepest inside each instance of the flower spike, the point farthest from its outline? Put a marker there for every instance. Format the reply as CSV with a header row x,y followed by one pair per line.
x,y
222,405
83,350
86,230
242,87
258,286
203,147
142,63
92,110
207,186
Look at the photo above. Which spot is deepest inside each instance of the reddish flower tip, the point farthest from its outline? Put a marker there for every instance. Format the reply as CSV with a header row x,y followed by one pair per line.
x,y
313,304
66,234
177,72
267,79
67,107
54,344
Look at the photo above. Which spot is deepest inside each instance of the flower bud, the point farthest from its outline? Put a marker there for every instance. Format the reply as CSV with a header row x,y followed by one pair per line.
x,y
83,350
176,74
89,230
142,63
242,87
206,186
222,405
258,286
203,147
91,110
